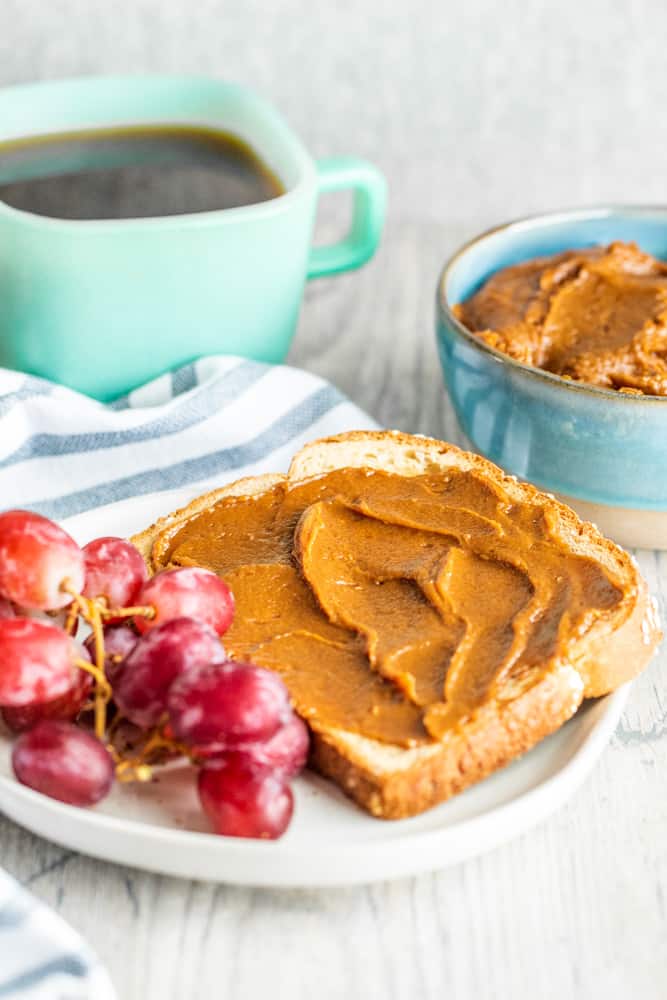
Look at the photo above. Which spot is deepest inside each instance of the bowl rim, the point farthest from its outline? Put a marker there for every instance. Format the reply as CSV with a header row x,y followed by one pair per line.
x,y
529,222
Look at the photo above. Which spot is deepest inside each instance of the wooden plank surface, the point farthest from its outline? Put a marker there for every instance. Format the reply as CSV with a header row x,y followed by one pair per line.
x,y
574,909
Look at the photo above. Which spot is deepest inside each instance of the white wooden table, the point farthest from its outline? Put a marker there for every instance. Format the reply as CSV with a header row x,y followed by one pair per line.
x,y
575,908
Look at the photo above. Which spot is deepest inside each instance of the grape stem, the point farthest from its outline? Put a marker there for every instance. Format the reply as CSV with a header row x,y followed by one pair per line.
x,y
96,611
95,621
72,617
138,768
91,612
99,676
141,611
129,770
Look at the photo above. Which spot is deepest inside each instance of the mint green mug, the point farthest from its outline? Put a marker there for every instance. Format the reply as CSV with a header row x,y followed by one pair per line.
x,y
102,306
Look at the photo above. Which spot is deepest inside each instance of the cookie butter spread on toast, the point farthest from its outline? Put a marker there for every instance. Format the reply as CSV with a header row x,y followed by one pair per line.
x,y
596,315
432,617
395,606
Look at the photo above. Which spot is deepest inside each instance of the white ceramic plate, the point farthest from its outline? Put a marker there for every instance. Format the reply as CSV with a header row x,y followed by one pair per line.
x,y
159,826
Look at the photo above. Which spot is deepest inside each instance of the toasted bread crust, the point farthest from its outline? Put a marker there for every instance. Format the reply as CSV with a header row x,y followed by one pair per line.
x,y
489,741
390,782
249,485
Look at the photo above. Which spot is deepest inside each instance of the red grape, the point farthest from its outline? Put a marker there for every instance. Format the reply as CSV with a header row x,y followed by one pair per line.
x,y
119,641
244,799
157,659
7,609
223,706
189,592
64,762
66,707
36,661
287,751
36,558
114,570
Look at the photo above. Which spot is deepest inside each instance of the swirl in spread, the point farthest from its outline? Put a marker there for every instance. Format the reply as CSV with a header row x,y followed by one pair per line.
x,y
394,606
597,316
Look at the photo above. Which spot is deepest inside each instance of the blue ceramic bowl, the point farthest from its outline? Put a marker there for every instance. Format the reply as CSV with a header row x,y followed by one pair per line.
x,y
593,445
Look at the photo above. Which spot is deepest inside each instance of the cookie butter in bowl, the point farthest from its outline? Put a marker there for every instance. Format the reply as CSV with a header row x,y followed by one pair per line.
x,y
552,334
596,315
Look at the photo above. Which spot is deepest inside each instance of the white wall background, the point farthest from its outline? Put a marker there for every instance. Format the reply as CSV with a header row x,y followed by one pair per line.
x,y
478,110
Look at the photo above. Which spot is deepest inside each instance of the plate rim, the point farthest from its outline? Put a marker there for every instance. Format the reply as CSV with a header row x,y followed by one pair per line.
x,y
589,749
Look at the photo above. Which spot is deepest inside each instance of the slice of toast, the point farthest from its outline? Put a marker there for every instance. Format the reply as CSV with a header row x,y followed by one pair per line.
x,y
392,781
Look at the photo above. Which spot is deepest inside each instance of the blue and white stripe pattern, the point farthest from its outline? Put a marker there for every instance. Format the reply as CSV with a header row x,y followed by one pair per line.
x,y
62,453
210,422
41,957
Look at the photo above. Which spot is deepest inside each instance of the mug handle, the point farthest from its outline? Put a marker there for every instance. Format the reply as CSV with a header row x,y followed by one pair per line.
x,y
370,194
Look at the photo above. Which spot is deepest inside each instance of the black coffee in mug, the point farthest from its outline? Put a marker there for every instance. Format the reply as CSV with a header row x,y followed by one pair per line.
x,y
133,172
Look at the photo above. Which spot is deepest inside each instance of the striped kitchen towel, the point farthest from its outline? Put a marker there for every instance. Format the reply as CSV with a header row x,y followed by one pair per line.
x,y
62,453
41,957
208,423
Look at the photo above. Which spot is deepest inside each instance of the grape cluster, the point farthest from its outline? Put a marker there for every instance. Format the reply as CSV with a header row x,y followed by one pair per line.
x,y
153,660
